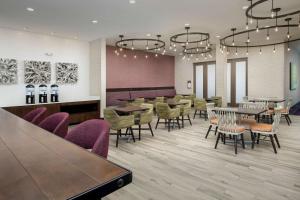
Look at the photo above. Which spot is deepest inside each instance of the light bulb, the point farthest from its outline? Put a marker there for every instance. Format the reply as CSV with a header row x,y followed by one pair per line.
x,y
276,29
205,58
247,53
132,48
147,47
251,21
288,36
257,29
247,27
260,52
201,43
134,56
236,53
288,48
156,55
175,49
124,55
202,54
121,49
248,40
232,43
272,14
183,57
191,55
197,58
146,56
184,50
274,51
268,37
170,47
197,49
187,43
174,45
188,58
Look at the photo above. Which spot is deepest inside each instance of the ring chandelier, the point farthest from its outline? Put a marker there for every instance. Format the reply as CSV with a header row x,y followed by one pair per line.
x,y
188,38
144,44
272,18
196,51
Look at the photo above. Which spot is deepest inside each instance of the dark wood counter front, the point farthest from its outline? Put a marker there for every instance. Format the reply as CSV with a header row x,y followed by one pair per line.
x,y
36,164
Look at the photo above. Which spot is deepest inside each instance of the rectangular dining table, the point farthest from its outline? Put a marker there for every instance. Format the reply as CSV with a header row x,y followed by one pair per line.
x,y
129,109
36,164
172,103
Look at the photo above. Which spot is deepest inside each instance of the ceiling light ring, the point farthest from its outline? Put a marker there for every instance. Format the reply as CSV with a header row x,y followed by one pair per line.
x,y
224,43
203,37
160,44
193,51
253,5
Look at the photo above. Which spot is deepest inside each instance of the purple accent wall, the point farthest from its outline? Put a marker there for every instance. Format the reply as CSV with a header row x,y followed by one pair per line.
x,y
138,72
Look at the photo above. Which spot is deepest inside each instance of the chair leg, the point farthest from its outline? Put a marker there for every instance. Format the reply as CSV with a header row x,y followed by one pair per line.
x,y
235,144
216,130
157,123
189,119
277,141
169,125
139,132
253,139
117,142
150,127
218,138
273,144
287,119
132,135
126,132
243,142
258,137
177,119
195,114
208,131
182,120
224,138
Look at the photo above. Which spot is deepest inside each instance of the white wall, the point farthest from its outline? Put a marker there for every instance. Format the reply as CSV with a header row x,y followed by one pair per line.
x,y
30,46
265,72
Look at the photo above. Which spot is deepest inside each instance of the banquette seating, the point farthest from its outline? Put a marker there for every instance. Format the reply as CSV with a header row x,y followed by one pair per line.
x,y
113,96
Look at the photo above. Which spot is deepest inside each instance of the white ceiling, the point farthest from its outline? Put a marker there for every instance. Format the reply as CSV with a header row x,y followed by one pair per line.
x,y
72,18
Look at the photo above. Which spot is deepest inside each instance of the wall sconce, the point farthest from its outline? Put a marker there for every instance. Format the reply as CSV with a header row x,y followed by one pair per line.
x,y
189,84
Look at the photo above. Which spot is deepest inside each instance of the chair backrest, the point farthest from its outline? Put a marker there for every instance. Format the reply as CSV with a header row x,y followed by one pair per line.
x,y
36,116
111,115
217,101
139,100
200,103
159,99
209,108
149,106
245,99
188,103
226,120
178,97
57,123
276,120
91,134
162,110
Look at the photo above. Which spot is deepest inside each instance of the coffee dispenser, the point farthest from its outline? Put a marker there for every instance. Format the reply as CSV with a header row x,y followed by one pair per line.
x,y
30,94
54,93
43,93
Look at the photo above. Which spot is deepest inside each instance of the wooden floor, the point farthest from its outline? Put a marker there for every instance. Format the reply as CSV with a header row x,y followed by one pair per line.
x,y
183,165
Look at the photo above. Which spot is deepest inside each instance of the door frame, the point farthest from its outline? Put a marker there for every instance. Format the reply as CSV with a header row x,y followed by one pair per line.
x,y
233,62
204,64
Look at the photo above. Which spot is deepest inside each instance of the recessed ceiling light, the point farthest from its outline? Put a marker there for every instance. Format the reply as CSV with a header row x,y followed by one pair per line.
x,y
30,9
132,1
95,21
245,7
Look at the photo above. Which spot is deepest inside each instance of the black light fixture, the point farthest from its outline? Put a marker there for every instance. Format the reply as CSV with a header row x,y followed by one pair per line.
x,y
276,13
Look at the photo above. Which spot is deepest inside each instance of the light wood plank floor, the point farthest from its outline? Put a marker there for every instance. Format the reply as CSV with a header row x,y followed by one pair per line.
x,y
182,164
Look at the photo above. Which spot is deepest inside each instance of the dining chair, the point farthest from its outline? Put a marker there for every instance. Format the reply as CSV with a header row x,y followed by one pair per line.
x,y
227,126
185,110
138,101
213,120
217,101
268,130
247,120
190,97
177,98
200,105
144,118
36,116
56,123
285,112
165,112
118,123
92,134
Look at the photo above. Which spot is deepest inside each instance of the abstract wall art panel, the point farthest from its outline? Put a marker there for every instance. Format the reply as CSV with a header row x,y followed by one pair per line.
x,y
66,73
293,76
8,71
37,72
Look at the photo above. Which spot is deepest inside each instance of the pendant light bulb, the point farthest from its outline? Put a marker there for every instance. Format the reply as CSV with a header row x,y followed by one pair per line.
x,y
276,29
257,29
156,55
268,37
146,56
260,52
248,40
251,21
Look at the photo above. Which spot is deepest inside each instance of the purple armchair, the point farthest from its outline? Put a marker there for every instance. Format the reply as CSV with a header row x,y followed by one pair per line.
x,y
57,123
36,116
92,134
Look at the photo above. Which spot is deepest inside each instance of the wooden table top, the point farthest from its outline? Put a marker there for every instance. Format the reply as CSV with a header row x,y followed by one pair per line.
x,y
129,109
36,164
245,111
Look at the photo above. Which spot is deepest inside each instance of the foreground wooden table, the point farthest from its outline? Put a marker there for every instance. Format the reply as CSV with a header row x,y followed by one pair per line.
x,y
35,164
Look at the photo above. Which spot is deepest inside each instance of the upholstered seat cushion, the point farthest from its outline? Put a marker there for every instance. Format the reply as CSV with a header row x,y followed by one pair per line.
x,y
233,129
214,121
284,111
262,127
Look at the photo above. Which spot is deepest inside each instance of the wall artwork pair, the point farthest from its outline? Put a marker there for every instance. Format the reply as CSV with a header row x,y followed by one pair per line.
x,y
37,72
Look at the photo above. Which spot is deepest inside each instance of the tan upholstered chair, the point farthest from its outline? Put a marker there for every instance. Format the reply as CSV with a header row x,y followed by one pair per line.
x,y
165,112
200,106
185,110
144,118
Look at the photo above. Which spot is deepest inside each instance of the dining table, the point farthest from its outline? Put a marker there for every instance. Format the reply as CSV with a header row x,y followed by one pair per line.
x,y
172,103
37,164
129,109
